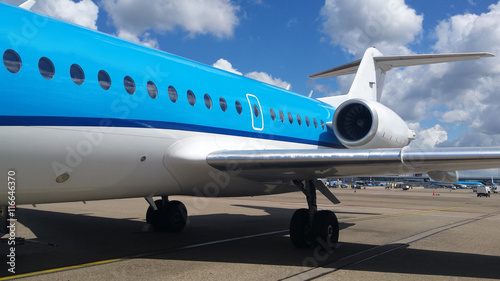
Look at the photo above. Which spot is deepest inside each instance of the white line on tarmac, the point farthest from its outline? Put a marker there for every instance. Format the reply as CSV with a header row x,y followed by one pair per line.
x,y
378,251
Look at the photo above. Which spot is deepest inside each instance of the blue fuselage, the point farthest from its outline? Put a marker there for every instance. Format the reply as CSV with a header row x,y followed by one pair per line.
x,y
30,99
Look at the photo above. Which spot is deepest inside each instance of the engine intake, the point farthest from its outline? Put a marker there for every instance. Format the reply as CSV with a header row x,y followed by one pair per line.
x,y
368,124
354,121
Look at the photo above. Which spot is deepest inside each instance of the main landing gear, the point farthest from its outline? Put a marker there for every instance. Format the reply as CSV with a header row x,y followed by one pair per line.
x,y
309,227
164,215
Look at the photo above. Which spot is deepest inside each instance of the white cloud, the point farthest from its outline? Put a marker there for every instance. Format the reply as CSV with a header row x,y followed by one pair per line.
x,y
133,18
225,65
428,138
83,13
267,78
144,39
256,75
358,24
464,93
470,90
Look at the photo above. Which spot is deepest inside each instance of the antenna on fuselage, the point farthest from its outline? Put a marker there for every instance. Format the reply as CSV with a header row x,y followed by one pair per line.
x,y
310,94
28,4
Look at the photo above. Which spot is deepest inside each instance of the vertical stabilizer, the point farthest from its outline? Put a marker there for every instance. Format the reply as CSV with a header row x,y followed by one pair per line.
x,y
369,79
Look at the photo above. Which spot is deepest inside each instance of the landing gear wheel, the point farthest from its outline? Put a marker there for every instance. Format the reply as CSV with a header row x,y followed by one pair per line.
x,y
171,217
153,216
300,228
325,229
174,216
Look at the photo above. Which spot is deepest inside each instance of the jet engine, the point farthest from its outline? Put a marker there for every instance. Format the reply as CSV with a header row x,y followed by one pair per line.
x,y
360,123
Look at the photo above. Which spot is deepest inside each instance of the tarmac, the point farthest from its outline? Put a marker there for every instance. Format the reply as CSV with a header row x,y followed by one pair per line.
x,y
385,235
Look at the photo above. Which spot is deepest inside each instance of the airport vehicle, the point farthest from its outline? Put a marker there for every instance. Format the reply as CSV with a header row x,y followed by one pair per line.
x,y
87,116
494,186
483,191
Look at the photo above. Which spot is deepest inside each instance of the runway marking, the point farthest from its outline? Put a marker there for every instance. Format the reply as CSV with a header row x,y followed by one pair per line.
x,y
403,214
377,251
90,264
30,274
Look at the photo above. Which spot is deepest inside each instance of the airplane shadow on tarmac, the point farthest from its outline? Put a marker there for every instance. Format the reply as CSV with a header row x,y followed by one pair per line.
x,y
65,239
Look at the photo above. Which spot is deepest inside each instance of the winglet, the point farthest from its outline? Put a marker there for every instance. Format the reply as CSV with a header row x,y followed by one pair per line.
x,y
28,4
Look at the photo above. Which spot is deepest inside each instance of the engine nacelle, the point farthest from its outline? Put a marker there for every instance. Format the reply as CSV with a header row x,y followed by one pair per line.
x,y
369,124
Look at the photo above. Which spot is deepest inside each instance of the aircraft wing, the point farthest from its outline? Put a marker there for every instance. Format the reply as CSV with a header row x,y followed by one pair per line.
x,y
268,165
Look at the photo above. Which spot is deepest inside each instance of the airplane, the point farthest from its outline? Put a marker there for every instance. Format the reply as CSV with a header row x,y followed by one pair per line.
x,y
88,116
459,184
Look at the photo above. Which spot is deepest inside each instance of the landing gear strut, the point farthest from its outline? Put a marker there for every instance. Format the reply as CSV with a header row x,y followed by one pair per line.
x,y
170,216
308,227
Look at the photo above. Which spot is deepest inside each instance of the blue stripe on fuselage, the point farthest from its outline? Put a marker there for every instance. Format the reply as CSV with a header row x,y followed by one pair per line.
x,y
127,123
29,99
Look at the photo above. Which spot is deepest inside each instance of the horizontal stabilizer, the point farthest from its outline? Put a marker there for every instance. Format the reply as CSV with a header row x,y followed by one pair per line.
x,y
28,4
389,62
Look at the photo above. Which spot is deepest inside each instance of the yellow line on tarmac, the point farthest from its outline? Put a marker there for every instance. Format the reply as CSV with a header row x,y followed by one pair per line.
x,y
59,269
116,260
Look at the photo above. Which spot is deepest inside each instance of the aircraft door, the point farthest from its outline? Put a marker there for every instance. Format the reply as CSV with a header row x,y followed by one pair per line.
x,y
256,112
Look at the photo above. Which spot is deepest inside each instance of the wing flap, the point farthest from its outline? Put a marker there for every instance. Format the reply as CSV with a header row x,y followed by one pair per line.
x,y
264,165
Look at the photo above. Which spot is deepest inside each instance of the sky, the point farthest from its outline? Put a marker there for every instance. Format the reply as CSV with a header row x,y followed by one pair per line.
x,y
281,42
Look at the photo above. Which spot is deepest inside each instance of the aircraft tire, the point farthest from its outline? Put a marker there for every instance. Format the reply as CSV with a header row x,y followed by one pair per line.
x,y
174,216
325,229
299,228
153,216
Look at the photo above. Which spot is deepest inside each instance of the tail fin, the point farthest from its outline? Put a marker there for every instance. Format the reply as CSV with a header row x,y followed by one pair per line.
x,y
28,4
370,70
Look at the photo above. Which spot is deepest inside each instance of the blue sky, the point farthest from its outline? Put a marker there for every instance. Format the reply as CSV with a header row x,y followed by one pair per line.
x,y
282,42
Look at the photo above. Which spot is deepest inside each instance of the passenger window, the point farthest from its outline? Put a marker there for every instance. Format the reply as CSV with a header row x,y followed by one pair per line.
x,y
299,120
290,118
104,80
282,116
129,85
273,114
46,68
322,124
315,123
12,61
256,111
172,93
208,101
77,74
152,89
308,123
223,104
238,106
191,97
